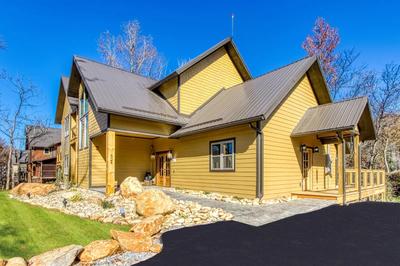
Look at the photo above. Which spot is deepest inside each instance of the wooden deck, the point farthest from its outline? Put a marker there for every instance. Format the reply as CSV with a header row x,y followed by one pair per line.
x,y
372,183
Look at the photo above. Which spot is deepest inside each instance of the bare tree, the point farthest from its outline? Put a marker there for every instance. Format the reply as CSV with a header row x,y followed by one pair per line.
x,y
12,120
132,51
322,43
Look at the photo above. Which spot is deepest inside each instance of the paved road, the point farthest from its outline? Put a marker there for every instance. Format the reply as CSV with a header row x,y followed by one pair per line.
x,y
256,215
359,234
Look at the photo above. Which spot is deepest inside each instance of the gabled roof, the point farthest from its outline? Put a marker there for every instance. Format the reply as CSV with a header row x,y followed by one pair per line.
x,y
256,99
42,137
231,50
344,115
62,92
117,91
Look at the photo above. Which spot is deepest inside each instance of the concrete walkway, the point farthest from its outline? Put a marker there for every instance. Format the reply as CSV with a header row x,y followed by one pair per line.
x,y
256,215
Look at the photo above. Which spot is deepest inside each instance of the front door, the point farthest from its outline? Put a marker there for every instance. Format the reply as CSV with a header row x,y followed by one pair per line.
x,y
163,177
306,169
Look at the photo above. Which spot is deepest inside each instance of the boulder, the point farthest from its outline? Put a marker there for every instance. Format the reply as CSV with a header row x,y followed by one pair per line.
x,y
134,242
156,248
3,262
152,202
17,261
34,189
148,226
99,249
131,187
60,256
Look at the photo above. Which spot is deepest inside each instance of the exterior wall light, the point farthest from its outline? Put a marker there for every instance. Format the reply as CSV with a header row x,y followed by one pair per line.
x,y
315,150
65,202
169,155
303,147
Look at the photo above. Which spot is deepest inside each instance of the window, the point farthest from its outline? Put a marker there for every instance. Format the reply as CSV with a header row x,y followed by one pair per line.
x,y
222,155
66,126
306,163
83,121
66,165
46,151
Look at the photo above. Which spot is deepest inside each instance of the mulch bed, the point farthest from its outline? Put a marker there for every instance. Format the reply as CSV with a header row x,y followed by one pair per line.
x,y
359,234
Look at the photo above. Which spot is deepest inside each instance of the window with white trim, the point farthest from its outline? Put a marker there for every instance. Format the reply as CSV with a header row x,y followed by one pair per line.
x,y
66,165
222,155
83,121
66,126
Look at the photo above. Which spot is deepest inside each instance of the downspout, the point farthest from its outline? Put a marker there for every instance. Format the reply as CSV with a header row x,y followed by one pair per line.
x,y
259,159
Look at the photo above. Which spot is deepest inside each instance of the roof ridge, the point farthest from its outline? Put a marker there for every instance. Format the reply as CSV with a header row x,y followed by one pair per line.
x,y
341,101
279,68
113,67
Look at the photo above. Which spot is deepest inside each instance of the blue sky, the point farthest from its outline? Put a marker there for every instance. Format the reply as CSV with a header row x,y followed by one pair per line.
x,y
42,36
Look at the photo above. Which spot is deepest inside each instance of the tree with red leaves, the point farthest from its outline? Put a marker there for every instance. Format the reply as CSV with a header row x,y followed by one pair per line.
x,y
322,43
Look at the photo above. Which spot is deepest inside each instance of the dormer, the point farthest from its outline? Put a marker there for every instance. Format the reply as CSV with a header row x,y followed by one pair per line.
x,y
195,83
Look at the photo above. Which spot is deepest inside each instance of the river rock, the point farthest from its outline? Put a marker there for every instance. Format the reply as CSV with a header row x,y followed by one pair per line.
x,y
3,262
99,249
60,256
148,226
134,242
152,202
17,261
131,187
156,248
36,189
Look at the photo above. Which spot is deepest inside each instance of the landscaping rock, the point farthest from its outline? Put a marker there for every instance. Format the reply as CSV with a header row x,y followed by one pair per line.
x,y
99,249
156,248
134,242
34,189
152,202
3,262
131,187
148,226
60,256
17,261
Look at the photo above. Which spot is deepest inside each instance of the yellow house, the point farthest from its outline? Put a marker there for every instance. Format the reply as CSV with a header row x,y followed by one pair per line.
x,y
211,126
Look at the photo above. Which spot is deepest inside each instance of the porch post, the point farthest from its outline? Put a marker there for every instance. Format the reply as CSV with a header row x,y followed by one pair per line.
x,y
357,164
341,170
110,162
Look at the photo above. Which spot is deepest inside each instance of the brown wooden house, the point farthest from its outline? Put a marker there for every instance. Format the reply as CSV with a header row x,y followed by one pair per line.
x,y
42,145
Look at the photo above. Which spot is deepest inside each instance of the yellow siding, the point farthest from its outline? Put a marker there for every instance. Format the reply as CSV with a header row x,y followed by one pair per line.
x,y
64,142
97,121
191,168
200,82
132,157
83,158
170,91
99,161
140,125
282,158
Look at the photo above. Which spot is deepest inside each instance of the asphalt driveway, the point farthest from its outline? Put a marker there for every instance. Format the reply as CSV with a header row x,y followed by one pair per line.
x,y
359,234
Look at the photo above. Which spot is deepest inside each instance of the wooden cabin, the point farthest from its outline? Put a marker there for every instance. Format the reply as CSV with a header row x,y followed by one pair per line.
x,y
42,145
211,126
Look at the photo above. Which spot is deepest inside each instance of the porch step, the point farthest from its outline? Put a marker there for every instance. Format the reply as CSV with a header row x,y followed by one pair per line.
x,y
314,195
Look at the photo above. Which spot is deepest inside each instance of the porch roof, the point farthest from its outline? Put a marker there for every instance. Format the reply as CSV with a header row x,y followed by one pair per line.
x,y
351,114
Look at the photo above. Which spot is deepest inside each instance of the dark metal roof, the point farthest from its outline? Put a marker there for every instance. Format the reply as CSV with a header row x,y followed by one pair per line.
x,y
62,92
117,91
231,50
256,99
344,115
39,137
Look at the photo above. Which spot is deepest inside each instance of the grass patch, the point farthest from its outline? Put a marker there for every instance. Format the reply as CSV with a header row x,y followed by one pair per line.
x,y
27,230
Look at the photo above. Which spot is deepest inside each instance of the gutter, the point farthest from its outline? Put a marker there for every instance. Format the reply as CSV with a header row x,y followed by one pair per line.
x,y
259,159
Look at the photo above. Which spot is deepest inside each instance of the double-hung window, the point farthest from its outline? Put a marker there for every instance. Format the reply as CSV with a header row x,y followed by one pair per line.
x,y
66,126
83,121
222,155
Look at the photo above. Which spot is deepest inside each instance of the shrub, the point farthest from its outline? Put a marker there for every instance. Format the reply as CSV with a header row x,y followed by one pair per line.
x,y
77,197
107,204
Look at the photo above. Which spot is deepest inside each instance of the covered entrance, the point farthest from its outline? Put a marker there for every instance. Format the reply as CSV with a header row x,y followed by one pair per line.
x,y
163,168
330,138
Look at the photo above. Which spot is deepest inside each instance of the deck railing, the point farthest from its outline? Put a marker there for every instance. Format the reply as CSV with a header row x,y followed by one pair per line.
x,y
369,178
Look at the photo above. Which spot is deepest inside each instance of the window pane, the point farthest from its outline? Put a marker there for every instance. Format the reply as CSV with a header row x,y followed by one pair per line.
x,y
216,163
216,149
86,131
228,162
228,148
